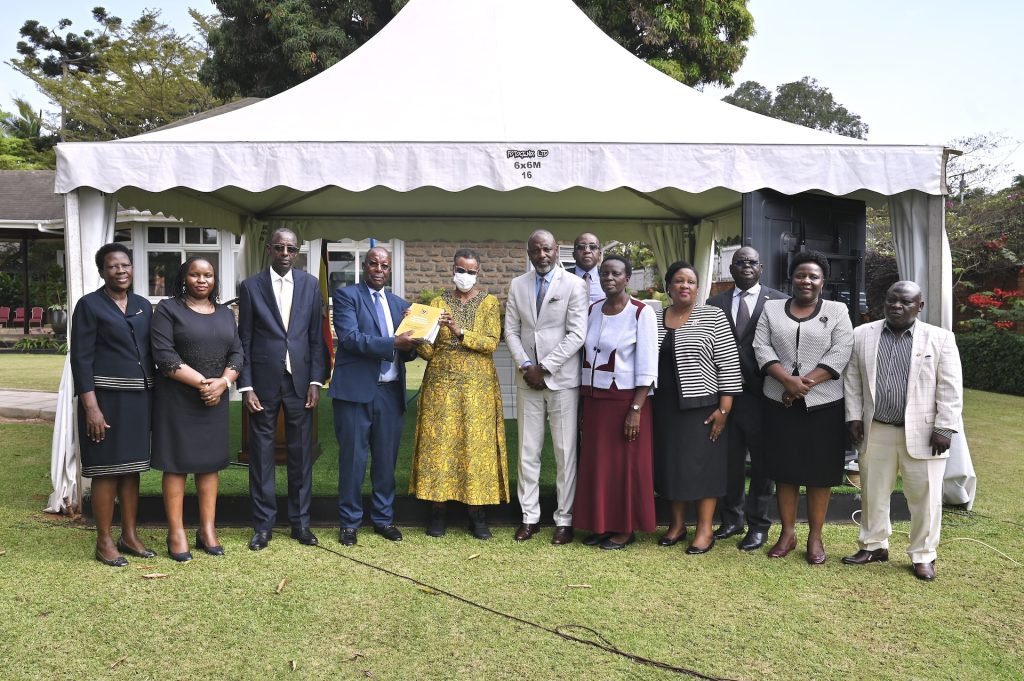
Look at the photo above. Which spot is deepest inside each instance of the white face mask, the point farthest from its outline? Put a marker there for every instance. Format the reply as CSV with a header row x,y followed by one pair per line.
x,y
464,282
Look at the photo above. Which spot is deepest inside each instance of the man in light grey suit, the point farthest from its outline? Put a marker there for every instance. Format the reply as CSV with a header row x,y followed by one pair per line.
x,y
904,397
545,325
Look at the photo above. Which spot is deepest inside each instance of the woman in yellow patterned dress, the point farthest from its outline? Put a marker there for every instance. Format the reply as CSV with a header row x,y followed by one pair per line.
x,y
460,430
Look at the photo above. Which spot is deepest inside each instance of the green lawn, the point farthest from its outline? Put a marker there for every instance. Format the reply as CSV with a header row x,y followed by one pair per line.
x,y
726,614
31,372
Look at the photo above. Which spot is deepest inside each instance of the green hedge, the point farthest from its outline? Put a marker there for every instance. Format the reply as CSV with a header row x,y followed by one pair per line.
x,y
993,361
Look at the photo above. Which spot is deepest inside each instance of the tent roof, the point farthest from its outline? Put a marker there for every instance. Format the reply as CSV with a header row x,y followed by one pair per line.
x,y
484,98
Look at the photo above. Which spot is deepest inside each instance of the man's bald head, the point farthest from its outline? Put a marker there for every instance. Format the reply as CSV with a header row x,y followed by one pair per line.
x,y
903,303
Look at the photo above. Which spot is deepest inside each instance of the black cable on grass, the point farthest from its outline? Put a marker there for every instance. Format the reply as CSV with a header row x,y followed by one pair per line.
x,y
563,631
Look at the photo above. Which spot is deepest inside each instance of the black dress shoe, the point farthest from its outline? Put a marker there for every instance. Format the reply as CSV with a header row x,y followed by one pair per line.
x,y
696,550
666,540
183,557
478,525
305,536
754,540
116,561
726,531
438,524
597,539
259,541
347,536
563,535
210,550
389,532
124,548
609,545
864,556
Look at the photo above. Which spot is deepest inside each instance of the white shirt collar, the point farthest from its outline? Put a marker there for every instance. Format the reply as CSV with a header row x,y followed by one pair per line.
x,y
753,290
275,277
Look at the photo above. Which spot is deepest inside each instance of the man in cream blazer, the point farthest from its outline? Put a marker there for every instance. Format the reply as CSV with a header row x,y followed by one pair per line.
x,y
904,397
545,325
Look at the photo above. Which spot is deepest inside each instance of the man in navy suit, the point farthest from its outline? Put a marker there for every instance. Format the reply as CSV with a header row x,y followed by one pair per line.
x,y
368,389
743,305
280,314
586,251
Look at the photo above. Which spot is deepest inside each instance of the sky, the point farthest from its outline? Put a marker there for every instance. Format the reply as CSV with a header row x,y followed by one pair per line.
x,y
916,71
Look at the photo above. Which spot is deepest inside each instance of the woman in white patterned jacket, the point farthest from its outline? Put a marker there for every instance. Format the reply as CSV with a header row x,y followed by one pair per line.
x,y
802,345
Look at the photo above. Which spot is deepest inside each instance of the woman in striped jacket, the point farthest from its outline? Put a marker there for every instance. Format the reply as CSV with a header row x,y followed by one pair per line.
x,y
698,374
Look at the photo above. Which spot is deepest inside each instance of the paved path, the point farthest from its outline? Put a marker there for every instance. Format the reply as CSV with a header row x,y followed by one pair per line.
x,y
27,404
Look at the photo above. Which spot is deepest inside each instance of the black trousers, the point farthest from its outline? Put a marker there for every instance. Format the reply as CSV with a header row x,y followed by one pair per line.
x,y
299,435
738,506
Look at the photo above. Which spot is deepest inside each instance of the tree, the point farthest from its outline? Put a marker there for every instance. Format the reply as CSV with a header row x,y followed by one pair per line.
x,y
697,42
19,154
71,54
140,77
27,124
263,47
803,102
974,166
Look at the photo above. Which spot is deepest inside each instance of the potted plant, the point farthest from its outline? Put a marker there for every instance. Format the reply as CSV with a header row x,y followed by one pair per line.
x,y
58,316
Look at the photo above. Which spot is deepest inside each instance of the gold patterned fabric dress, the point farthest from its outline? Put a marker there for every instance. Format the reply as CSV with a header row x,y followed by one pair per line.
x,y
460,430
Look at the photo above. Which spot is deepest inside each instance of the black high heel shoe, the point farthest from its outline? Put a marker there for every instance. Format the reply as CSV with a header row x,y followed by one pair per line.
x,y
180,557
672,541
124,548
211,550
119,561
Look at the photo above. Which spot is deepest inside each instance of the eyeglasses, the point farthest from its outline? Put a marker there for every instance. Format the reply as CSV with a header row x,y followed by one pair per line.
x,y
587,247
281,248
746,263
463,270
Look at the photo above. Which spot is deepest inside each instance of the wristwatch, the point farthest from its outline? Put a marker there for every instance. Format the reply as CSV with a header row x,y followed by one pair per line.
x,y
724,412
635,407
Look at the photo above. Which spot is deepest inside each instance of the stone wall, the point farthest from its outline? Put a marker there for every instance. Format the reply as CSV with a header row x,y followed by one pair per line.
x,y
428,265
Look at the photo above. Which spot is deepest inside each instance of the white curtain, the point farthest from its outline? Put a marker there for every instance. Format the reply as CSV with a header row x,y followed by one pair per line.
x,y
703,255
63,462
669,242
923,256
89,223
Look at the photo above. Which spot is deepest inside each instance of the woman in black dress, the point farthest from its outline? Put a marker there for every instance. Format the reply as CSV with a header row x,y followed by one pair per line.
x,y
198,353
113,374
698,374
802,345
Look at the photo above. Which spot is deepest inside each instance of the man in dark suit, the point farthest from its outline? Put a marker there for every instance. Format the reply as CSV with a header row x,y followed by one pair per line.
x,y
280,313
586,251
368,389
743,305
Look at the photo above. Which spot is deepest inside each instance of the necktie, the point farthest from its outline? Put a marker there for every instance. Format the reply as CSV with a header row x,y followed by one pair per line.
x,y
541,290
742,314
385,366
284,306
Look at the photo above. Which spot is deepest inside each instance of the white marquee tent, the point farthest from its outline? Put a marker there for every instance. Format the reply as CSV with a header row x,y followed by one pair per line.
x,y
486,119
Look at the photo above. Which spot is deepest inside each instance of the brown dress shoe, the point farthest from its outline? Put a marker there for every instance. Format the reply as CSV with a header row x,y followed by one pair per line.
x,y
925,571
527,530
563,535
864,557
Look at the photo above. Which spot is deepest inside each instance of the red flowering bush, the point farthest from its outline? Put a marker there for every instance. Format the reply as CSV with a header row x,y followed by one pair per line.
x,y
996,309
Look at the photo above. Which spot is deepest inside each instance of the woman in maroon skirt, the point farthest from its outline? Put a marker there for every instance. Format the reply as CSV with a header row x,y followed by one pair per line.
x,y
614,484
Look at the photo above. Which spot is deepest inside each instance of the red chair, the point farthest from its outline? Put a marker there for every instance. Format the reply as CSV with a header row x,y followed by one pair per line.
x,y
36,318
19,316
5,316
